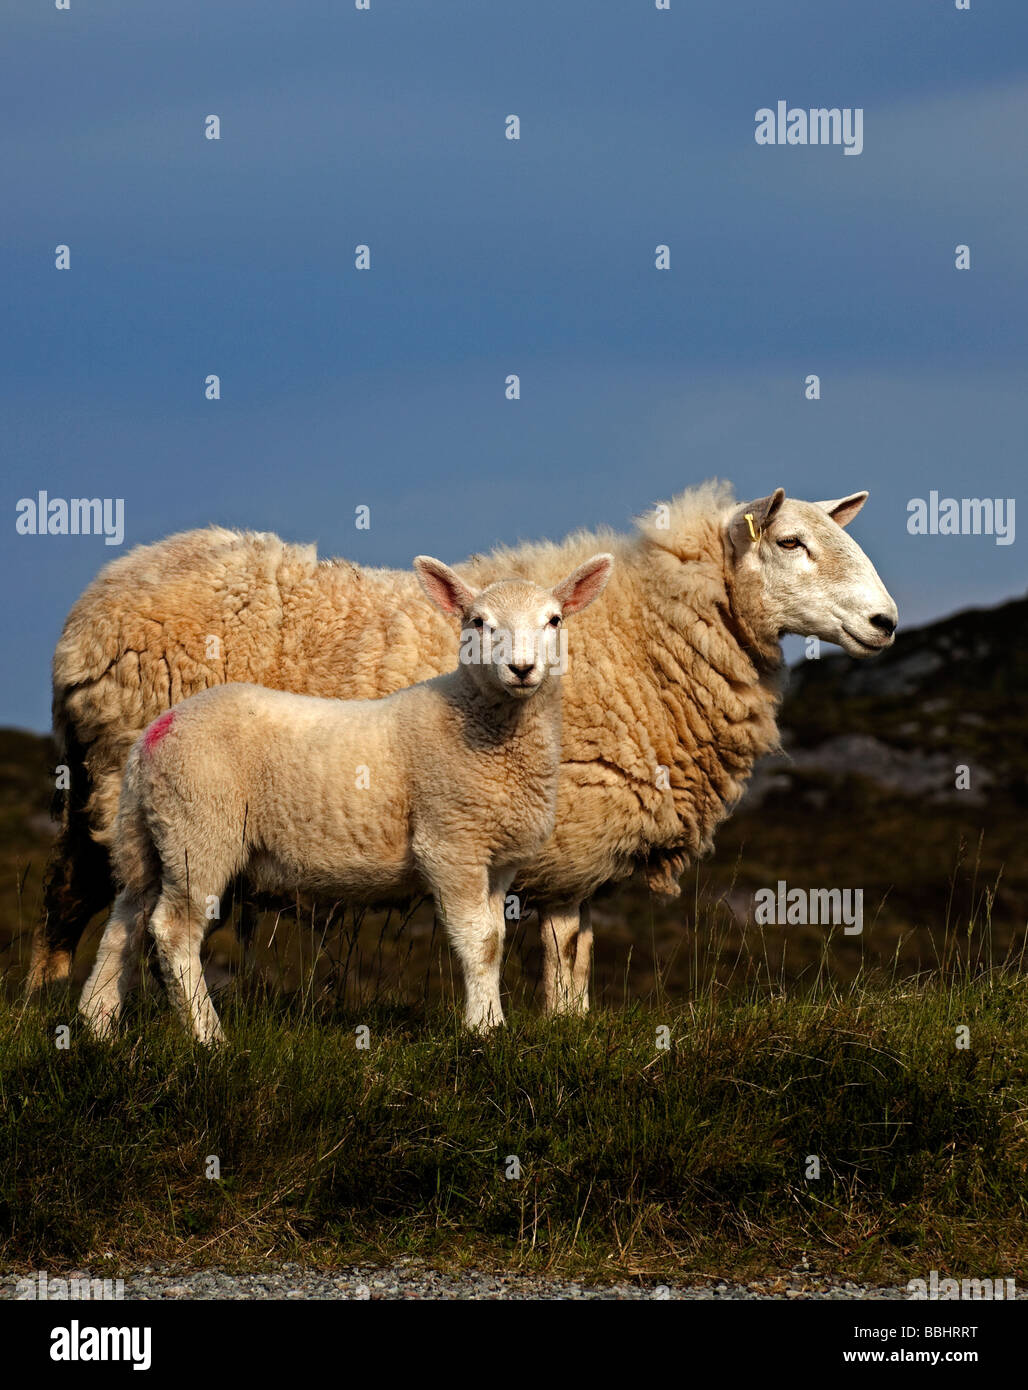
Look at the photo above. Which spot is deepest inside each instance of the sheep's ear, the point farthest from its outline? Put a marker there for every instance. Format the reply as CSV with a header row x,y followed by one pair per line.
x,y
585,584
752,519
844,509
442,586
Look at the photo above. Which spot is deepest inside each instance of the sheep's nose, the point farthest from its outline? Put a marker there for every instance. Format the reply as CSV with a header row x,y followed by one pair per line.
x,y
884,622
521,671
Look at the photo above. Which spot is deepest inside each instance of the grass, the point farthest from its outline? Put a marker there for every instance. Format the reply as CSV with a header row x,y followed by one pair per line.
x,y
635,1160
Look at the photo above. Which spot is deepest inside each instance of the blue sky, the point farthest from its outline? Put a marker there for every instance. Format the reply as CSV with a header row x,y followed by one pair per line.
x,y
386,387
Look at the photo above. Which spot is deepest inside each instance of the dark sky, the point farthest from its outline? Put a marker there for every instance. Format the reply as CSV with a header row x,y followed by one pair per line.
x,y
490,256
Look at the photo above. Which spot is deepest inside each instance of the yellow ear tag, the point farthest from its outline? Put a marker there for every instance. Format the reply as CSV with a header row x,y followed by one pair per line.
x,y
749,522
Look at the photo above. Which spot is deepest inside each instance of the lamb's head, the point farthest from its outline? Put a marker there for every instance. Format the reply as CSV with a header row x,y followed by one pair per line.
x,y
511,631
812,578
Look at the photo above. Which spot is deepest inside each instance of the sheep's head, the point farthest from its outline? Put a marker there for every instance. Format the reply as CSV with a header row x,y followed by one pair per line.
x,y
813,579
512,639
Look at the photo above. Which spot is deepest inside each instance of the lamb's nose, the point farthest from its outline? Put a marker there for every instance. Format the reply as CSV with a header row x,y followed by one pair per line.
x,y
884,622
522,671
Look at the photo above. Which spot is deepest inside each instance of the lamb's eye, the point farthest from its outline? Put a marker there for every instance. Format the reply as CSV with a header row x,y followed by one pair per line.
x,y
555,620
792,543
478,622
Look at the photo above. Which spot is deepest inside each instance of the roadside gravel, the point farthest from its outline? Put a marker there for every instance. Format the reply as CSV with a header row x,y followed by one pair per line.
x,y
412,1280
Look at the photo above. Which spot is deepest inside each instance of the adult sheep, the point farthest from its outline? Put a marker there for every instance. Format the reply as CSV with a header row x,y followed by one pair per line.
x,y
671,695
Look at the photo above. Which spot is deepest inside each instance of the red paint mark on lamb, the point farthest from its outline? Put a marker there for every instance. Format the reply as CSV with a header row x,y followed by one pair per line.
x,y
157,731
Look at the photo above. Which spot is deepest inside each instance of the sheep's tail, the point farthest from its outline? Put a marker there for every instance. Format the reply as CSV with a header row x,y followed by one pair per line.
x,y
77,879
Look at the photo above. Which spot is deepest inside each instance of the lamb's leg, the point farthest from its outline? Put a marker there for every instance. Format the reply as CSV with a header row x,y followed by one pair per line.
x,y
475,926
177,926
567,952
499,885
115,972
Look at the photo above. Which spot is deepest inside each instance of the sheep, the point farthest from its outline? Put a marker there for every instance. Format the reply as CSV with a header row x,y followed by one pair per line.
x,y
449,784
662,725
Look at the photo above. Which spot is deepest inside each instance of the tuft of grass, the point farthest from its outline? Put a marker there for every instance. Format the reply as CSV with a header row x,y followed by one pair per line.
x,y
634,1159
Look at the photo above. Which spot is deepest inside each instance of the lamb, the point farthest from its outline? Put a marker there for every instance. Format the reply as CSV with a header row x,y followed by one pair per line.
x,y
662,725
448,785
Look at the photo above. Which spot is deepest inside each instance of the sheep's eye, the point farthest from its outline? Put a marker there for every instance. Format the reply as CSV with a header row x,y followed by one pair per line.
x,y
478,622
792,543
555,620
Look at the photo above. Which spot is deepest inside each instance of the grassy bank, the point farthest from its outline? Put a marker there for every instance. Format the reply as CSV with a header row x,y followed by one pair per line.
x,y
633,1159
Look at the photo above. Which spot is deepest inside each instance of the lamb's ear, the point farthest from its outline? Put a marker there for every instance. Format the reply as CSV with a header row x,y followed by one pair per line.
x,y
746,526
442,586
585,584
844,509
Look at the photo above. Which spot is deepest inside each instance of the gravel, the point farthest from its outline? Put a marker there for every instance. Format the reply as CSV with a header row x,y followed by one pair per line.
x,y
409,1279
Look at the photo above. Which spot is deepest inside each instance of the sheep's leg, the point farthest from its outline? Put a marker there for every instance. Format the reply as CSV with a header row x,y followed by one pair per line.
x,y
567,953
472,912
177,926
583,957
115,972
77,886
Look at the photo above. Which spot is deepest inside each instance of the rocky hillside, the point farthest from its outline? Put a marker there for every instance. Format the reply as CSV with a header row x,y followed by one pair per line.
x,y
906,775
